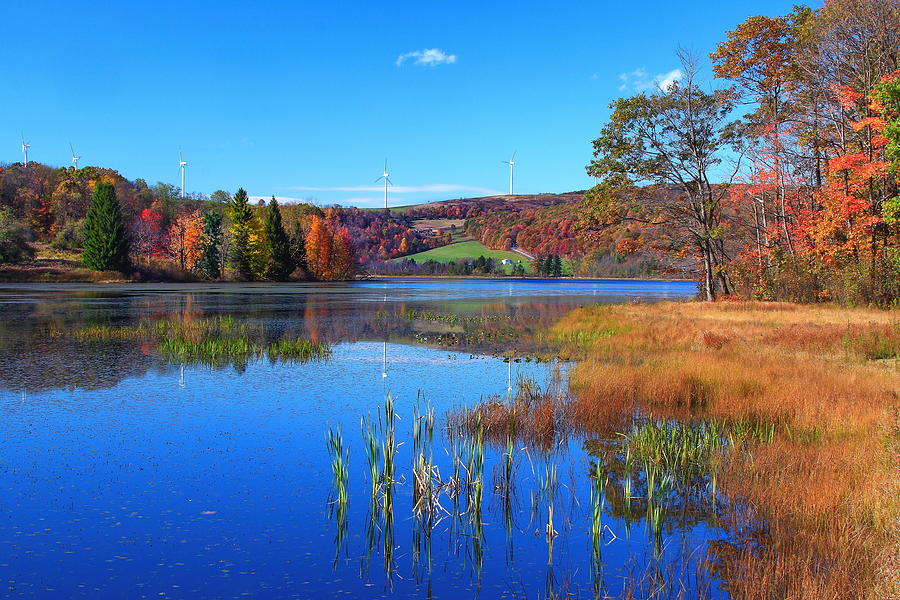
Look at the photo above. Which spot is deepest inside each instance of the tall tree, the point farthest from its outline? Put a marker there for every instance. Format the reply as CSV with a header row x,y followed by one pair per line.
x,y
241,215
343,260
319,248
674,138
278,247
210,261
186,239
105,240
298,245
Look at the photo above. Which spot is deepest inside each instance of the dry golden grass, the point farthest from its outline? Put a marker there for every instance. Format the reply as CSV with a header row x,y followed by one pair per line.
x,y
828,377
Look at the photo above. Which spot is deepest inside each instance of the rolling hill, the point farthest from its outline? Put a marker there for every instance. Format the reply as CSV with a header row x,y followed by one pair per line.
x,y
470,250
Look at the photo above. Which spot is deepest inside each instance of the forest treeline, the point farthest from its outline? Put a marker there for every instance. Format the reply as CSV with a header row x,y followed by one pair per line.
x,y
160,235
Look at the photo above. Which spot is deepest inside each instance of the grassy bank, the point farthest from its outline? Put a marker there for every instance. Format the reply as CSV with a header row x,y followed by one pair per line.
x,y
819,496
470,250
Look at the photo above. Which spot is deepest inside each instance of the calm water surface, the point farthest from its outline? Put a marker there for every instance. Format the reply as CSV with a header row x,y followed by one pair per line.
x,y
129,473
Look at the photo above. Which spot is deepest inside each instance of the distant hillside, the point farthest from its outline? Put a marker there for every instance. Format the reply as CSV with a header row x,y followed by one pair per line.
x,y
462,208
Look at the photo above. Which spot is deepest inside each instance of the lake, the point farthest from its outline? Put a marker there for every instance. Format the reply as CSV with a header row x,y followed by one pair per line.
x,y
169,441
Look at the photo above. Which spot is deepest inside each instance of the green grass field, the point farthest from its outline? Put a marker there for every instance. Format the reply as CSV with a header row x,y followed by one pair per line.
x,y
466,250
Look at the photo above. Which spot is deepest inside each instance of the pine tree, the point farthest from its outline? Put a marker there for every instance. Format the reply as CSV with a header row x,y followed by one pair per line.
x,y
298,246
556,266
105,240
241,215
210,261
278,247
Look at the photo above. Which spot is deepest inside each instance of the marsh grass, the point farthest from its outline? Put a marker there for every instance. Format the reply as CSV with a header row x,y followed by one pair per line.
x,y
809,397
214,341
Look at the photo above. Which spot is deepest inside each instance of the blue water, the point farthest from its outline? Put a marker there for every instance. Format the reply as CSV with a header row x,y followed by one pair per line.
x,y
125,475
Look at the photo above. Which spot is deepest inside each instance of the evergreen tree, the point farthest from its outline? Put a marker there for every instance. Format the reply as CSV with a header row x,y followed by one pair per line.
x,y
241,215
105,240
278,247
556,266
210,261
298,246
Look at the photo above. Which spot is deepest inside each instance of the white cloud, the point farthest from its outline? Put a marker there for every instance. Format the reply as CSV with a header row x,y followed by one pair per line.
x,y
444,188
641,81
429,57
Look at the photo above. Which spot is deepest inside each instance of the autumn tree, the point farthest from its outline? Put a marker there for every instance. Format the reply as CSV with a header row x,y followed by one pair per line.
x,y
760,56
186,239
14,238
674,138
343,262
319,249
241,215
278,247
105,241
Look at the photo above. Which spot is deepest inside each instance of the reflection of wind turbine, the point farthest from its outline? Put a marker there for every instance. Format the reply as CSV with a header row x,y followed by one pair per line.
x,y
75,159
509,377
181,379
384,347
181,164
387,182
25,147
512,163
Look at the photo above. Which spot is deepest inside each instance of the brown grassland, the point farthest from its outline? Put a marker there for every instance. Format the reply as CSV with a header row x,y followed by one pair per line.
x,y
823,494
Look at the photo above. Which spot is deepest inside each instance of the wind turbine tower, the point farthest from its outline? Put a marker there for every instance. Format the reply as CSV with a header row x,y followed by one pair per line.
x,y
181,164
512,163
387,182
25,147
75,158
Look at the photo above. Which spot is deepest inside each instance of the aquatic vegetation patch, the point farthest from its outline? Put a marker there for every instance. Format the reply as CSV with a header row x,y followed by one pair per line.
x,y
808,393
214,341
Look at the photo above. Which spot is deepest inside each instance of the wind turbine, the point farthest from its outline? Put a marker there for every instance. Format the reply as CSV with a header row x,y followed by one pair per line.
x,y
25,147
387,182
512,163
181,164
75,159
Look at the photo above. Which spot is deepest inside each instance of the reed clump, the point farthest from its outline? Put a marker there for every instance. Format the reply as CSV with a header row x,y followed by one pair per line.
x,y
818,384
535,415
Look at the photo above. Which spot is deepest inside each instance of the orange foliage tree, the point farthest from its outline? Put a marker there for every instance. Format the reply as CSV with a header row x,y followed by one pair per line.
x,y
186,238
330,255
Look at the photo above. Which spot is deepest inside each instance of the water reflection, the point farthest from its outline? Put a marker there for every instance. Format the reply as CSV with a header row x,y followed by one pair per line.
x,y
134,470
39,328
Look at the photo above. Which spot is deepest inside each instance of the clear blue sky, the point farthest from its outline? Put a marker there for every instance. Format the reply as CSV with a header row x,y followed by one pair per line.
x,y
306,99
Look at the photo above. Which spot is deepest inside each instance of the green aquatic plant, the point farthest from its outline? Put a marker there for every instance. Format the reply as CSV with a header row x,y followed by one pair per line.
x,y
598,498
339,464
341,474
297,350
424,474
373,453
